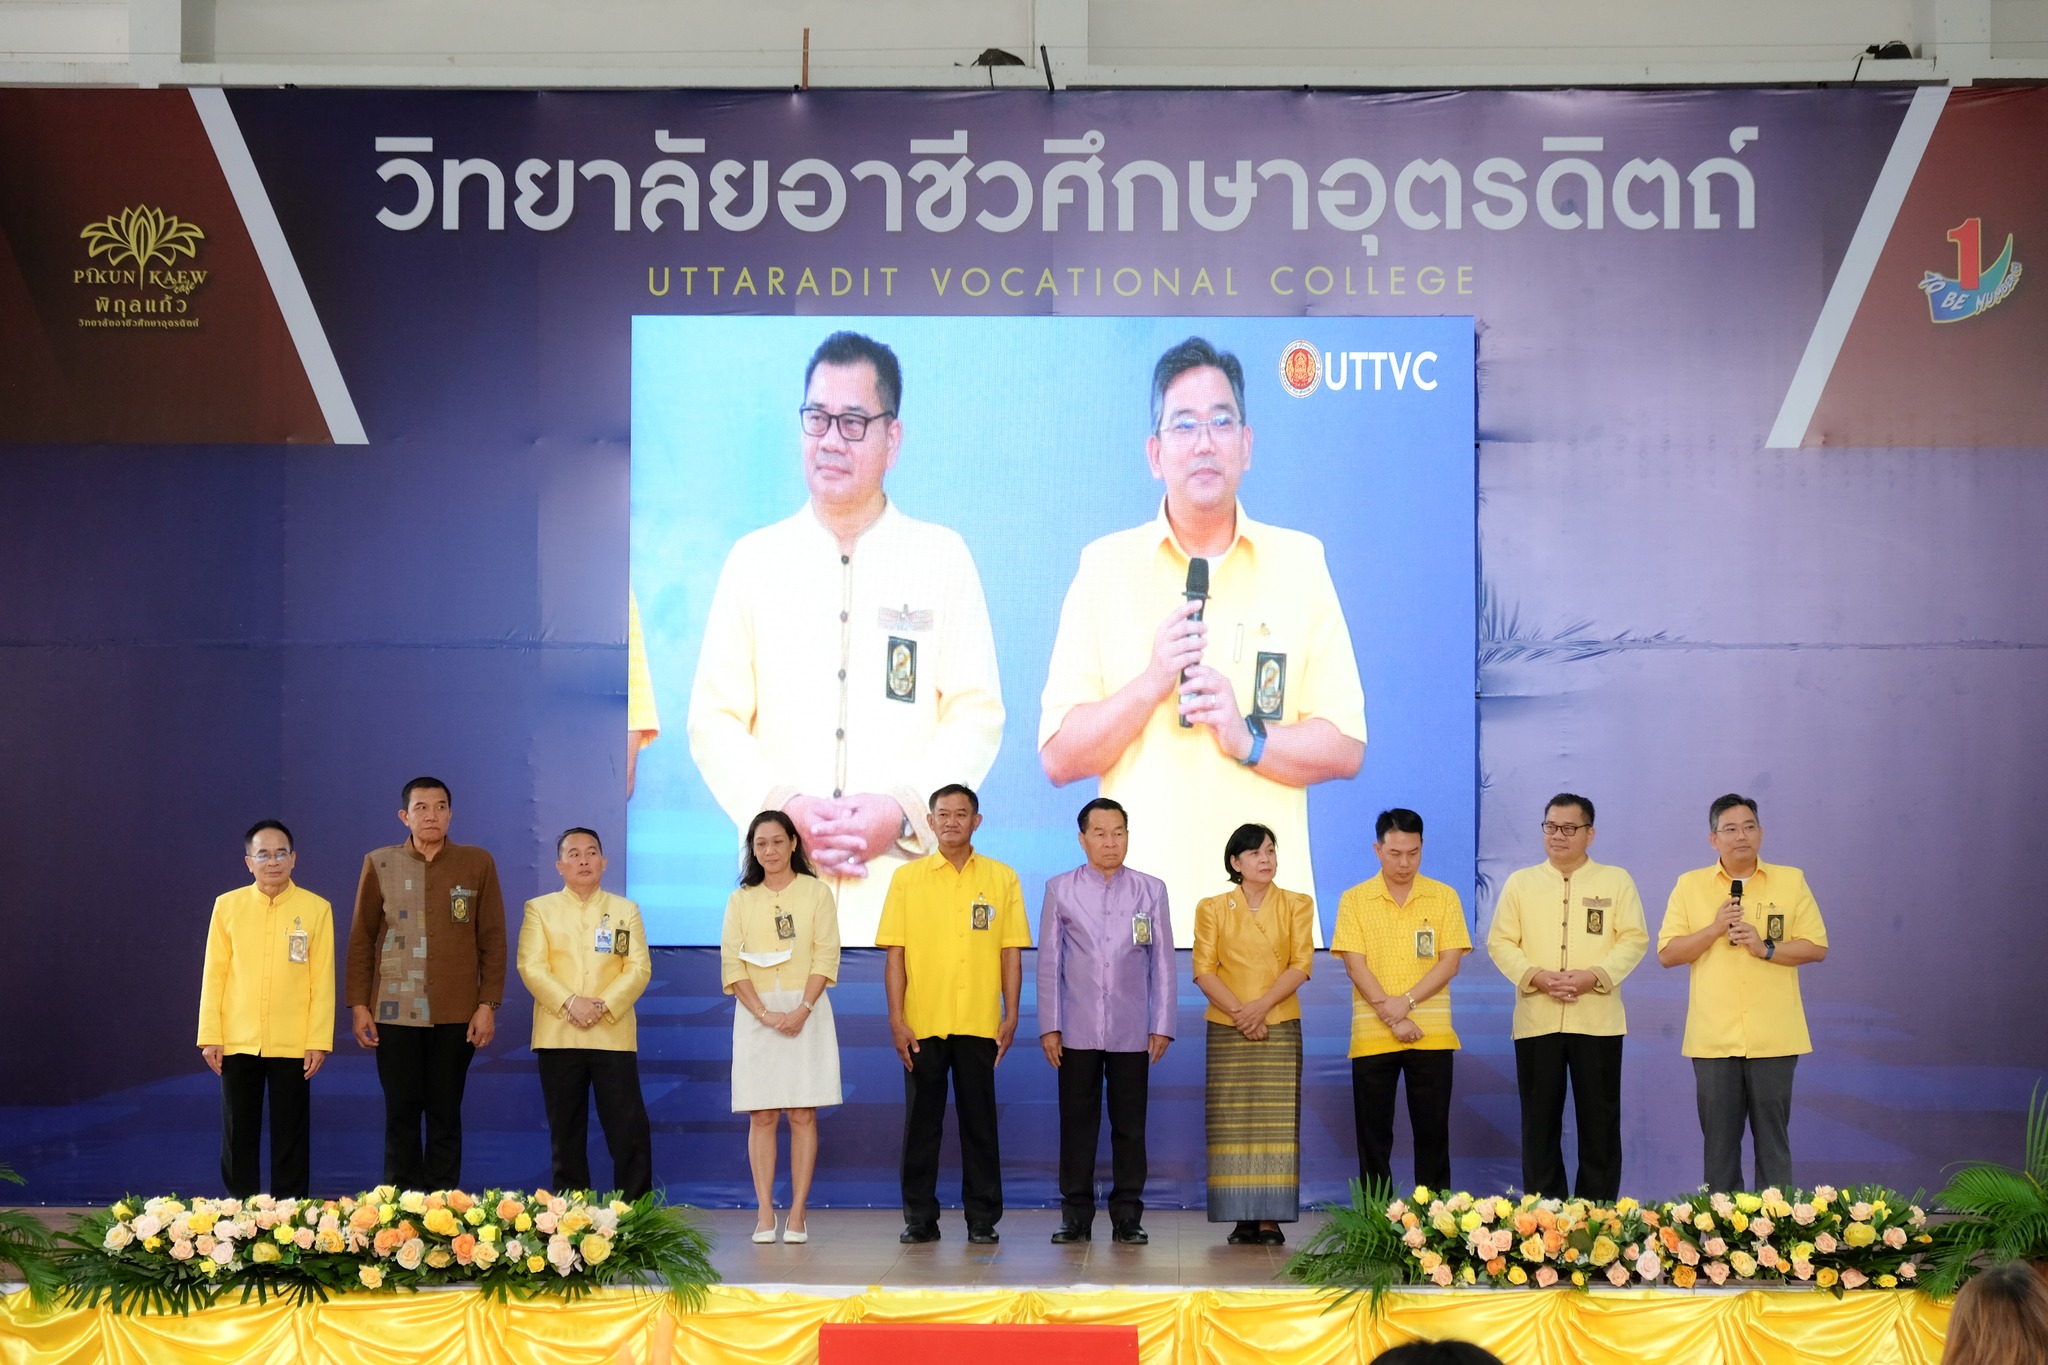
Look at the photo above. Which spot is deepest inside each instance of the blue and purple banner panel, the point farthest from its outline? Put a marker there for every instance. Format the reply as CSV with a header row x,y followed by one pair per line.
x,y
341,428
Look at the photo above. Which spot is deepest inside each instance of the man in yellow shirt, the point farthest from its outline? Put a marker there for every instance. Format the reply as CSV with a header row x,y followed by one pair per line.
x,y
848,666
1566,932
1204,723
1401,936
266,1014
955,929
583,955
1746,927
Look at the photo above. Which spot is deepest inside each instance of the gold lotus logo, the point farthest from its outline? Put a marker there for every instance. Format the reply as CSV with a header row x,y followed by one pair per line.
x,y
143,235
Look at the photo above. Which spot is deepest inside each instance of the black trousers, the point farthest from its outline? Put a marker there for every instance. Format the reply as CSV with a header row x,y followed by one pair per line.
x,y
1082,1075
1429,1112
243,1077
568,1076
971,1062
1753,1090
423,1070
1592,1064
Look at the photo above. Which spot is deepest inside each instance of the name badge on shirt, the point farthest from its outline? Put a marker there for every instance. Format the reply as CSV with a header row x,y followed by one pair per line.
x,y
295,943
1269,686
1425,942
1596,917
622,942
1141,928
1774,927
460,898
902,670
603,941
785,925
982,912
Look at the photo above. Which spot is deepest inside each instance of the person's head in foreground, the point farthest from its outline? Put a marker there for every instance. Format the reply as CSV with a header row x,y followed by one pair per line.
x,y
1436,1353
2000,1318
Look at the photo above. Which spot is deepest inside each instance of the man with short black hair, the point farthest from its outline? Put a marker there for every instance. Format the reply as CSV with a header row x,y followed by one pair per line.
x,y
1105,1015
266,1014
426,973
1745,927
955,929
1203,722
1402,936
583,955
848,666
1566,932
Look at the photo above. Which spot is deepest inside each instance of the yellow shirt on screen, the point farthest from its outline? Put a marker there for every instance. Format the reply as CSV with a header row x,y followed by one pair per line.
x,y
253,999
954,971
558,958
1590,921
1248,949
641,714
1369,922
825,674
1275,630
1739,1005
751,927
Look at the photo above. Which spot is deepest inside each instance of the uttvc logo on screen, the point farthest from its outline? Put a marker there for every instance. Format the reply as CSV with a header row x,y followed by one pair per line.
x,y
1303,365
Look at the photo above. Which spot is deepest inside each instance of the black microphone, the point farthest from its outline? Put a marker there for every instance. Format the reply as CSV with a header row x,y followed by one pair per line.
x,y
1197,592
1735,891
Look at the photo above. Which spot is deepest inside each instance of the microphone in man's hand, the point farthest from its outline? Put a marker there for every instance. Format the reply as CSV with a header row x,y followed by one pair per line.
x,y
1198,593
1735,893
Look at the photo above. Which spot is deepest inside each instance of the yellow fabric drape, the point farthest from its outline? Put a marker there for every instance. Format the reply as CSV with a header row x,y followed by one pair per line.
x,y
1199,1327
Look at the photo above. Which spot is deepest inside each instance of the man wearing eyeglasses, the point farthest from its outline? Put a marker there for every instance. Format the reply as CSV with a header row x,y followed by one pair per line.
x,y
848,667
1745,927
266,1014
1566,932
1204,722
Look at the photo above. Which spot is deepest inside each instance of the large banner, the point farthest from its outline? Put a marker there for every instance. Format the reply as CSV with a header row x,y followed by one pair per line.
x,y
344,430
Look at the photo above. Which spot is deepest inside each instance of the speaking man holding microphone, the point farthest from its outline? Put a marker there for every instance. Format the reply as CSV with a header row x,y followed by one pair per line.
x,y
1202,668
1745,927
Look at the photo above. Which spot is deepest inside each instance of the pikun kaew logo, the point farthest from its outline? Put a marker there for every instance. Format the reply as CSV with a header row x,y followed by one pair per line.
x,y
1301,365
1976,286
133,278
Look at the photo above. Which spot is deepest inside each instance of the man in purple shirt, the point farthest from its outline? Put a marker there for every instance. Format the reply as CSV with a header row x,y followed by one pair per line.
x,y
1105,1013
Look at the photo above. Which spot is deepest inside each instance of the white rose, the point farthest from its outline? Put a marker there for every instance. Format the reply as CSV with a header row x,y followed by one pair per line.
x,y
118,1236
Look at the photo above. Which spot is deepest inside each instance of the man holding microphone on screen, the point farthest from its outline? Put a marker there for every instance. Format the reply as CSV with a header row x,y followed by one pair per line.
x,y
1203,712
848,667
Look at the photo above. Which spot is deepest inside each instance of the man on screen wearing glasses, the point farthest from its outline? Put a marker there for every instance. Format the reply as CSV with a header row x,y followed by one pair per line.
x,y
848,667
1201,723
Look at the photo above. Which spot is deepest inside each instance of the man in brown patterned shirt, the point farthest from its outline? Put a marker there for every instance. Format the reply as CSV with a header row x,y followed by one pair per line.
x,y
426,972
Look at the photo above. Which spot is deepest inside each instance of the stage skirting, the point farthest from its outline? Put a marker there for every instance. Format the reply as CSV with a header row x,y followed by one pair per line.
x,y
741,1326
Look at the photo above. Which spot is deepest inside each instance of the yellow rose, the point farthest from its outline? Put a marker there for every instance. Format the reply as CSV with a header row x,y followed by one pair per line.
x,y
1445,1224
487,1234
1704,1222
1802,1251
1428,1261
1684,1276
475,1217
1887,1282
152,1243
282,1234
594,1249
1422,1195
412,1201
372,1276
1827,1277
440,1258
1517,1275
1502,1208
1880,1208
1470,1222
1626,1205
1748,1203
1742,1263
443,1223
1739,1221
524,1222
386,1213
264,1253
1859,1234
121,1210
328,1242
1532,1249
1469,1276
202,1222
572,1222
1604,1250
1579,1278
536,1264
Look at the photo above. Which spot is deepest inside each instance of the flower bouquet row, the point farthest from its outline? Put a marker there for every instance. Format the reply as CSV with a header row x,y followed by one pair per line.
x,y
173,1255
1837,1240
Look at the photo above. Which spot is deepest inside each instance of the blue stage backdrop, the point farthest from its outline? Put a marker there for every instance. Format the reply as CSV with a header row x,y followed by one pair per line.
x,y
326,416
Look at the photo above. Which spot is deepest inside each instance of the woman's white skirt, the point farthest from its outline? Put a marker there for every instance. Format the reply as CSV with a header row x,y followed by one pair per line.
x,y
771,1070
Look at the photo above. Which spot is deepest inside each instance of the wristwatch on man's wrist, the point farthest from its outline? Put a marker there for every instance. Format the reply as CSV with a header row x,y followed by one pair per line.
x,y
1258,749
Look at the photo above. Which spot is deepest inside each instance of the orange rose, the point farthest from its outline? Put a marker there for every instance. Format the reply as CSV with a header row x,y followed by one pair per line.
x,y
406,1230
434,1201
508,1209
1525,1223
388,1240
363,1219
1496,1265
459,1201
464,1248
1669,1236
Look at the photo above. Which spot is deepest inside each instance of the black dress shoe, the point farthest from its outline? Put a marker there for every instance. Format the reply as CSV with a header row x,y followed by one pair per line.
x,y
1071,1232
1271,1237
1131,1235
919,1232
980,1234
1244,1235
